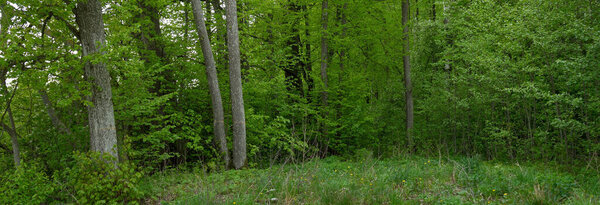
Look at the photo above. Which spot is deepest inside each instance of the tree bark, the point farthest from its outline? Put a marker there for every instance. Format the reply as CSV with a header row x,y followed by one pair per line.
x,y
58,124
213,82
103,133
344,21
324,61
11,129
324,51
407,79
307,56
4,23
235,78
433,10
294,67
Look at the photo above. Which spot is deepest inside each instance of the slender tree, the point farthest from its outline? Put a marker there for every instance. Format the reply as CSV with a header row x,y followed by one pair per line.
x,y
407,80
324,50
235,81
324,61
103,133
10,129
294,67
213,82
56,121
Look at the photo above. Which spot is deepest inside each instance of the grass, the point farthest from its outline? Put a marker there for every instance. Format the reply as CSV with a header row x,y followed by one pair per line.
x,y
406,180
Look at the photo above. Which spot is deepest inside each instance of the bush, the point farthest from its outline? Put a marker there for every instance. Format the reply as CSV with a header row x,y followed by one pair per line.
x,y
95,178
25,185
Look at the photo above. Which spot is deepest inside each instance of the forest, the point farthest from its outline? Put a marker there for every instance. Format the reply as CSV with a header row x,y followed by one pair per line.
x,y
300,102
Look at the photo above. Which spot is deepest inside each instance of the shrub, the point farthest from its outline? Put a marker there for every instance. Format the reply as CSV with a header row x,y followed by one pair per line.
x,y
25,185
95,178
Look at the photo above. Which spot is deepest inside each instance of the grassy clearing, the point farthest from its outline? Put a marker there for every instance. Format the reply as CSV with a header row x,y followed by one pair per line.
x,y
406,180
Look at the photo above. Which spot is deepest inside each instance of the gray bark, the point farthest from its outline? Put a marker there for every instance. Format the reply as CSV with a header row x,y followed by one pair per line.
x,y
11,128
14,138
324,51
407,80
58,124
235,78
213,82
12,131
103,133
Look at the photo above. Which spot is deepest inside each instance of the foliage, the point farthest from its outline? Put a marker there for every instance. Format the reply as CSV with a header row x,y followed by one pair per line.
x,y
96,178
507,81
28,184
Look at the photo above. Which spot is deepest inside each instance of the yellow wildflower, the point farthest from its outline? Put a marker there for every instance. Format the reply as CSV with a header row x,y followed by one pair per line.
x,y
505,194
493,190
403,181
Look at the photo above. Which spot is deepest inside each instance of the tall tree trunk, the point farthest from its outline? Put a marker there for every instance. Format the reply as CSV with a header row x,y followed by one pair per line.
x,y
343,20
433,10
294,67
213,82
407,80
103,133
446,21
4,24
11,128
324,51
307,55
13,135
235,78
324,61
417,10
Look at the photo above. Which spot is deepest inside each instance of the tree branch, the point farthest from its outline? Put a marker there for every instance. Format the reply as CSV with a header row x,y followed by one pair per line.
x,y
71,28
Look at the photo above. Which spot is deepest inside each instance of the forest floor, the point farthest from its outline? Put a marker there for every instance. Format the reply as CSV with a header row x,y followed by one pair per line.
x,y
400,180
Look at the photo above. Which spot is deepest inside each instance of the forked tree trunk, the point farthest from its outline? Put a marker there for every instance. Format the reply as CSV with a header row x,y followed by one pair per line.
x,y
103,133
213,82
235,81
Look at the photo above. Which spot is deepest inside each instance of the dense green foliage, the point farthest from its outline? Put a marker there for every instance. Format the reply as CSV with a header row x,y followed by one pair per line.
x,y
514,80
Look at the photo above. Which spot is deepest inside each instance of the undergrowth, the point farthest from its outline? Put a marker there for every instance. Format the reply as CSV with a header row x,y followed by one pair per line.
x,y
400,180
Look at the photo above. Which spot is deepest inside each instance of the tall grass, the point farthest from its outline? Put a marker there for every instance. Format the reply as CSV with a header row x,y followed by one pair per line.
x,y
400,180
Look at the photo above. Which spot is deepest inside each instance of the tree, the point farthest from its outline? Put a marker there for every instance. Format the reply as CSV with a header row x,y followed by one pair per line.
x,y
10,129
324,61
294,67
213,82
103,133
407,80
235,81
